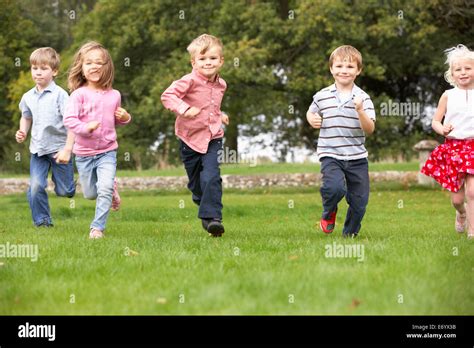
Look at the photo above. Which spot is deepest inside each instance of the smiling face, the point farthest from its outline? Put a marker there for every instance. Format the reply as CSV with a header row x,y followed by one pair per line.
x,y
462,71
344,70
209,63
92,66
42,74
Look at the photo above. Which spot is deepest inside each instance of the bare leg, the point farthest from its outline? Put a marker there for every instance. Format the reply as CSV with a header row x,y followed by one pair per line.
x,y
457,199
470,205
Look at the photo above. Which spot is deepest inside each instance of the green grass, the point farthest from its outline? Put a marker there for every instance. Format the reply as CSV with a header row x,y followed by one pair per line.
x,y
269,255
246,169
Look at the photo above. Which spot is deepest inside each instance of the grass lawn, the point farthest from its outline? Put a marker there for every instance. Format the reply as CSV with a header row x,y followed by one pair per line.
x,y
246,169
156,259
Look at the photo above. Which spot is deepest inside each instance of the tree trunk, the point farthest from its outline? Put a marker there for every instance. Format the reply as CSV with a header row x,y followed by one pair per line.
x,y
232,133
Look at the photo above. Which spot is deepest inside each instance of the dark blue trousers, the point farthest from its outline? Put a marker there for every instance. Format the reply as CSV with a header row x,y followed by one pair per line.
x,y
349,179
205,180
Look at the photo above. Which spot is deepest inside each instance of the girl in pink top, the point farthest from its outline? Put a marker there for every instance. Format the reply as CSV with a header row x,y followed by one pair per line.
x,y
92,112
452,163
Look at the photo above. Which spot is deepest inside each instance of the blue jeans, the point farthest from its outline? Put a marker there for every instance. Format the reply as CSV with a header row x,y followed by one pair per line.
x,y
63,178
97,174
204,178
349,179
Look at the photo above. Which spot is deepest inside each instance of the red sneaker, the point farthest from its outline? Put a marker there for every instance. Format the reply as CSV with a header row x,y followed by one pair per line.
x,y
327,226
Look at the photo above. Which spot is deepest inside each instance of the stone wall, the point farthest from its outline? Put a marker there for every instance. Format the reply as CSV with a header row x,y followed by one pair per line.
x,y
173,183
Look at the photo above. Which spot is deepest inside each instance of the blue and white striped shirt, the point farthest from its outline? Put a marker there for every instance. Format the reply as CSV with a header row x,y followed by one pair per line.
x,y
46,108
341,135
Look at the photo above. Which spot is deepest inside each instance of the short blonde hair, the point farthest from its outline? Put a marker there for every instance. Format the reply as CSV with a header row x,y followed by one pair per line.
x,y
45,56
202,43
455,54
76,78
344,52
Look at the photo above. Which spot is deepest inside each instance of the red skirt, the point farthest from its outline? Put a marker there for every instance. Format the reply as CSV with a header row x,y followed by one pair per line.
x,y
450,162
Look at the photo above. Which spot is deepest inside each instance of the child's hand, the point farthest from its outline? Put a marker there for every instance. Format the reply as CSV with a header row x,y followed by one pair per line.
x,y
314,120
20,136
122,115
192,112
447,128
357,103
225,119
92,126
63,156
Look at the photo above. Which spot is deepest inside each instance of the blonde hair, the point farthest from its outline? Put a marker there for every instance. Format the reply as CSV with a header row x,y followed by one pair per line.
x,y
76,77
202,43
45,56
455,54
344,52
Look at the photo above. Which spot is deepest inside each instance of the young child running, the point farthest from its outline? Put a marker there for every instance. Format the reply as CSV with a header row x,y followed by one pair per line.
x,y
345,114
92,112
196,100
51,144
452,163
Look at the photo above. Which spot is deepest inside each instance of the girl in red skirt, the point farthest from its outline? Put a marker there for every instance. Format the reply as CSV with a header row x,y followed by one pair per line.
x,y
452,163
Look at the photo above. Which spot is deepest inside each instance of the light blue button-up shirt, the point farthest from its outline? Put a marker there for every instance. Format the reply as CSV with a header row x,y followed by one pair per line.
x,y
46,108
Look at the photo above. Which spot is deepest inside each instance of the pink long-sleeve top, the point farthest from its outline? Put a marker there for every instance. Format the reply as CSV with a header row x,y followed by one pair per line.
x,y
86,105
196,90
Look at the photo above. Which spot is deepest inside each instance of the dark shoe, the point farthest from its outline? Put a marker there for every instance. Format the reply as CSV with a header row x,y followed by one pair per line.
x,y
349,235
327,226
205,223
45,224
215,228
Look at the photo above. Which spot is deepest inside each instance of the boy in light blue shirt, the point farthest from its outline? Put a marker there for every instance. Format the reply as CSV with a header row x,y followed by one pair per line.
x,y
42,109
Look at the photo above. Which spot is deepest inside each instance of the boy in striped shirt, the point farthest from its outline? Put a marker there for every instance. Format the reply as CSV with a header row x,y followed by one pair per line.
x,y
345,114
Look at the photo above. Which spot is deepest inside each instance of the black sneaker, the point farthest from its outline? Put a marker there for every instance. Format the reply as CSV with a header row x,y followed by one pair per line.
x,y
215,228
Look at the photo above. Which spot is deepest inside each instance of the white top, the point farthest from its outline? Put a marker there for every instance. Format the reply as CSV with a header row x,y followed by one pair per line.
x,y
460,113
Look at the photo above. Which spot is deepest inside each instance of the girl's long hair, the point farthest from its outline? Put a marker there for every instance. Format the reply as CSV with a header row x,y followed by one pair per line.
x,y
76,78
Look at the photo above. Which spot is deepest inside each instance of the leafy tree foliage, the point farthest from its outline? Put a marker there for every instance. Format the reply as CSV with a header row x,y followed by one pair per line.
x,y
276,59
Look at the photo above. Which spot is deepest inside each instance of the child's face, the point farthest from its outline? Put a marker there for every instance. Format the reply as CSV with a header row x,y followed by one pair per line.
x,y
344,71
209,63
92,64
42,74
463,73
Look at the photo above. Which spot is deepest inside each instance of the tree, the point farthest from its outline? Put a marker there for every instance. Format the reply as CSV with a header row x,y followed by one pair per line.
x,y
402,44
15,35
148,41
25,26
276,55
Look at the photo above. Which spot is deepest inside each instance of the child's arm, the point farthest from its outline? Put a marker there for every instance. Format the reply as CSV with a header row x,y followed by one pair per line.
x,y
122,116
314,119
25,124
71,118
225,118
312,115
366,123
436,124
172,98
64,155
